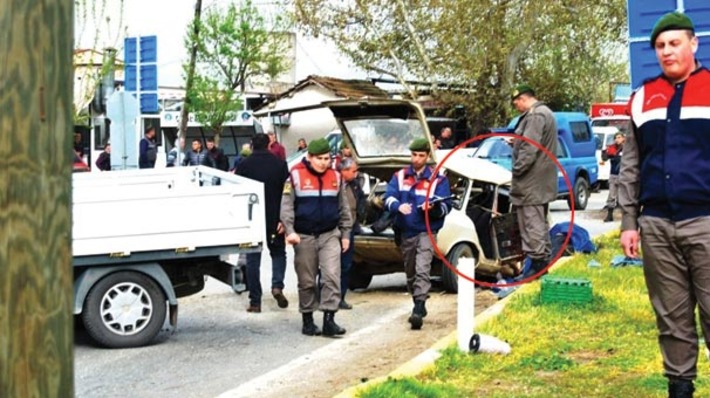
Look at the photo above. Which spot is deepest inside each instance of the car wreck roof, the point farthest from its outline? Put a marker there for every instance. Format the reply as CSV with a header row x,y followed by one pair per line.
x,y
477,169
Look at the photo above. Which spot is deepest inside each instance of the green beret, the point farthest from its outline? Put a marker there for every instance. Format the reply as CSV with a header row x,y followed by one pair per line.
x,y
318,147
419,145
671,21
343,145
246,152
521,89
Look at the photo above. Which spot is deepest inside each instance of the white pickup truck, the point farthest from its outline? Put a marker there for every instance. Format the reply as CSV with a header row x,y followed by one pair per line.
x,y
143,238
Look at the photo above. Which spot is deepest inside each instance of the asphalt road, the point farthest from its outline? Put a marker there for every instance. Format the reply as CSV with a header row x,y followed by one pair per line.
x,y
220,349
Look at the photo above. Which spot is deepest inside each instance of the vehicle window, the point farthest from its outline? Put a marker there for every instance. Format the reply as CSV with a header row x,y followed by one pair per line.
x,y
621,124
598,139
580,131
561,151
378,137
459,187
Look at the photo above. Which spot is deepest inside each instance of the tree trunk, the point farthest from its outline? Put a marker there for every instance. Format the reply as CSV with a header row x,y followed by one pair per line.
x,y
190,70
36,331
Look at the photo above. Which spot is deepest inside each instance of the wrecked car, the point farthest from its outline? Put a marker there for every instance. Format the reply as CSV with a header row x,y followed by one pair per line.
x,y
481,225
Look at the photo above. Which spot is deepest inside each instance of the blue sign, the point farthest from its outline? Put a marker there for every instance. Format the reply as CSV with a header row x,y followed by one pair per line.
x,y
141,71
643,14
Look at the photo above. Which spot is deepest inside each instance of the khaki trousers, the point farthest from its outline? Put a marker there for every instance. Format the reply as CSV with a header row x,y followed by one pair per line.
x,y
417,253
676,261
534,231
314,253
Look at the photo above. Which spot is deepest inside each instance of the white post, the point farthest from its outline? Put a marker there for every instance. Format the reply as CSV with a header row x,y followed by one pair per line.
x,y
466,303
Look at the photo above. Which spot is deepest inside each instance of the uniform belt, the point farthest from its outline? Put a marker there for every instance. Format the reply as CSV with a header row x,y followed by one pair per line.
x,y
315,234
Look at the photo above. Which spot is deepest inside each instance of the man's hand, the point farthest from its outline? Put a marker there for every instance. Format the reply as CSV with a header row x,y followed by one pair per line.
x,y
345,243
630,243
293,239
279,228
405,208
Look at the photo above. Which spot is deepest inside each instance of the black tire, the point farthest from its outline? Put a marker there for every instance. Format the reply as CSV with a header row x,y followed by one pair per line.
x,y
581,194
142,306
358,279
449,277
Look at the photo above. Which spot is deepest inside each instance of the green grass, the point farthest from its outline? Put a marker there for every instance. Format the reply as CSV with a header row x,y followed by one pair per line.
x,y
606,348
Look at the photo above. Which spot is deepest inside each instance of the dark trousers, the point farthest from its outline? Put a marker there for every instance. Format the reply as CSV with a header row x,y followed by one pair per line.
x,y
277,250
346,263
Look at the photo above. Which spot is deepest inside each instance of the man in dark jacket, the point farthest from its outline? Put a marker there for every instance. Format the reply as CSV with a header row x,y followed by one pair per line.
x,y
217,154
613,155
534,183
406,196
148,149
197,156
264,166
664,194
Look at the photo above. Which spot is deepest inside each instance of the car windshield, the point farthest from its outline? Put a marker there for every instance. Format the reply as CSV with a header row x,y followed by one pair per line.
x,y
494,148
383,137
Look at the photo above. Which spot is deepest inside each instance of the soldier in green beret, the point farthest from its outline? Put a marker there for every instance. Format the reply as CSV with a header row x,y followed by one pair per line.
x,y
534,183
406,197
664,194
316,217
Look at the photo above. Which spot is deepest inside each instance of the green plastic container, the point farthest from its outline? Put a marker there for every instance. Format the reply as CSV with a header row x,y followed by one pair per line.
x,y
565,290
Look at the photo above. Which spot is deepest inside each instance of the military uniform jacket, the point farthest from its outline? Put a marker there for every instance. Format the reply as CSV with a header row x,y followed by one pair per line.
x,y
665,170
315,203
534,173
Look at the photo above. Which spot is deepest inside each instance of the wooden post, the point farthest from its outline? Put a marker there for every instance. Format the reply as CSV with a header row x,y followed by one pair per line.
x,y
36,80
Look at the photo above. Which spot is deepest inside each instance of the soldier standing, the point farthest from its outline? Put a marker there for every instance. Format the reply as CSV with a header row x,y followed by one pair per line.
x,y
316,217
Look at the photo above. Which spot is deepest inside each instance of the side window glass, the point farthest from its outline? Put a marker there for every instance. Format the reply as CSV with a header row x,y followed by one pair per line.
x,y
561,151
580,131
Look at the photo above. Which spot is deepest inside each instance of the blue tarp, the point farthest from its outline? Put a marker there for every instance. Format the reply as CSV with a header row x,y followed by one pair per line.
x,y
579,241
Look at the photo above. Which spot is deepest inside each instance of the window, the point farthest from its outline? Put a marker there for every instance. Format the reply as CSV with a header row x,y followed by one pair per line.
x,y
580,131
561,151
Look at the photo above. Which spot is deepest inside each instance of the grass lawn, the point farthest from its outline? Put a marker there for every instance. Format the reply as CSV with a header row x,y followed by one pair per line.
x,y
606,348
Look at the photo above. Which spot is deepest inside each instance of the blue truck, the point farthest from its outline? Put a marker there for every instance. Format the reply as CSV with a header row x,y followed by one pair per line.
x,y
576,152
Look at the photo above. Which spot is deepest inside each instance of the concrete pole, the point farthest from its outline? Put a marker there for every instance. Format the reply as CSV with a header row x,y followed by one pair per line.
x,y
36,125
466,303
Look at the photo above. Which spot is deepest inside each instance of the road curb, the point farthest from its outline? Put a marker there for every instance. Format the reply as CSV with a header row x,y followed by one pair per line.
x,y
426,359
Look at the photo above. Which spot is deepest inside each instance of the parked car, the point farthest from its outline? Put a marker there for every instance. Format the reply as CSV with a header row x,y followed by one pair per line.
x,y
480,226
576,148
604,137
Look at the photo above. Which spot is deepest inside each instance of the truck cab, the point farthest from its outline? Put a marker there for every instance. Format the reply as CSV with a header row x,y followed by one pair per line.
x,y
576,148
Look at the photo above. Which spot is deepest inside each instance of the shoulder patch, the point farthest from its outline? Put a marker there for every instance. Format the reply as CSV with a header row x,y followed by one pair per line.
x,y
287,188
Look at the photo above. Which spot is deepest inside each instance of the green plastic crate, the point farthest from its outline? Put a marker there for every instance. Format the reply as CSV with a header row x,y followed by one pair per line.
x,y
565,290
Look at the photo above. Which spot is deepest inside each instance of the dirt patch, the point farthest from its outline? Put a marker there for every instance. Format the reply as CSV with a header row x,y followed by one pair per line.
x,y
374,354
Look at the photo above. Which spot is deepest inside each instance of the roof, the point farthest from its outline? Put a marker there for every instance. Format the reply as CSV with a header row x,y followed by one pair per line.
x,y
346,89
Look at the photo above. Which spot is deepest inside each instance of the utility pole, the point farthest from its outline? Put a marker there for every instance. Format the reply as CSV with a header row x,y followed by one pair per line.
x,y
185,112
36,322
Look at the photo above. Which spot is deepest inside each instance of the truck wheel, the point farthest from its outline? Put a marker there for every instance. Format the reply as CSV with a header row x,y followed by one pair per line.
x,y
449,278
581,194
358,279
124,309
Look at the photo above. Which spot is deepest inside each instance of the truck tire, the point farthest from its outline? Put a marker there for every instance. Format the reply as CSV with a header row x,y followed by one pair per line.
x,y
124,309
581,194
449,278
359,279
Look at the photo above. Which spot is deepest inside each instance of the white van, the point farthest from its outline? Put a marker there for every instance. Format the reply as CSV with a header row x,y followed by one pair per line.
x,y
604,137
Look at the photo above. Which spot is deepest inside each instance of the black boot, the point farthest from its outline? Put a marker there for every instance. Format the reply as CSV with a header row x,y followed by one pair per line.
x,y
418,314
680,388
609,214
309,327
330,328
